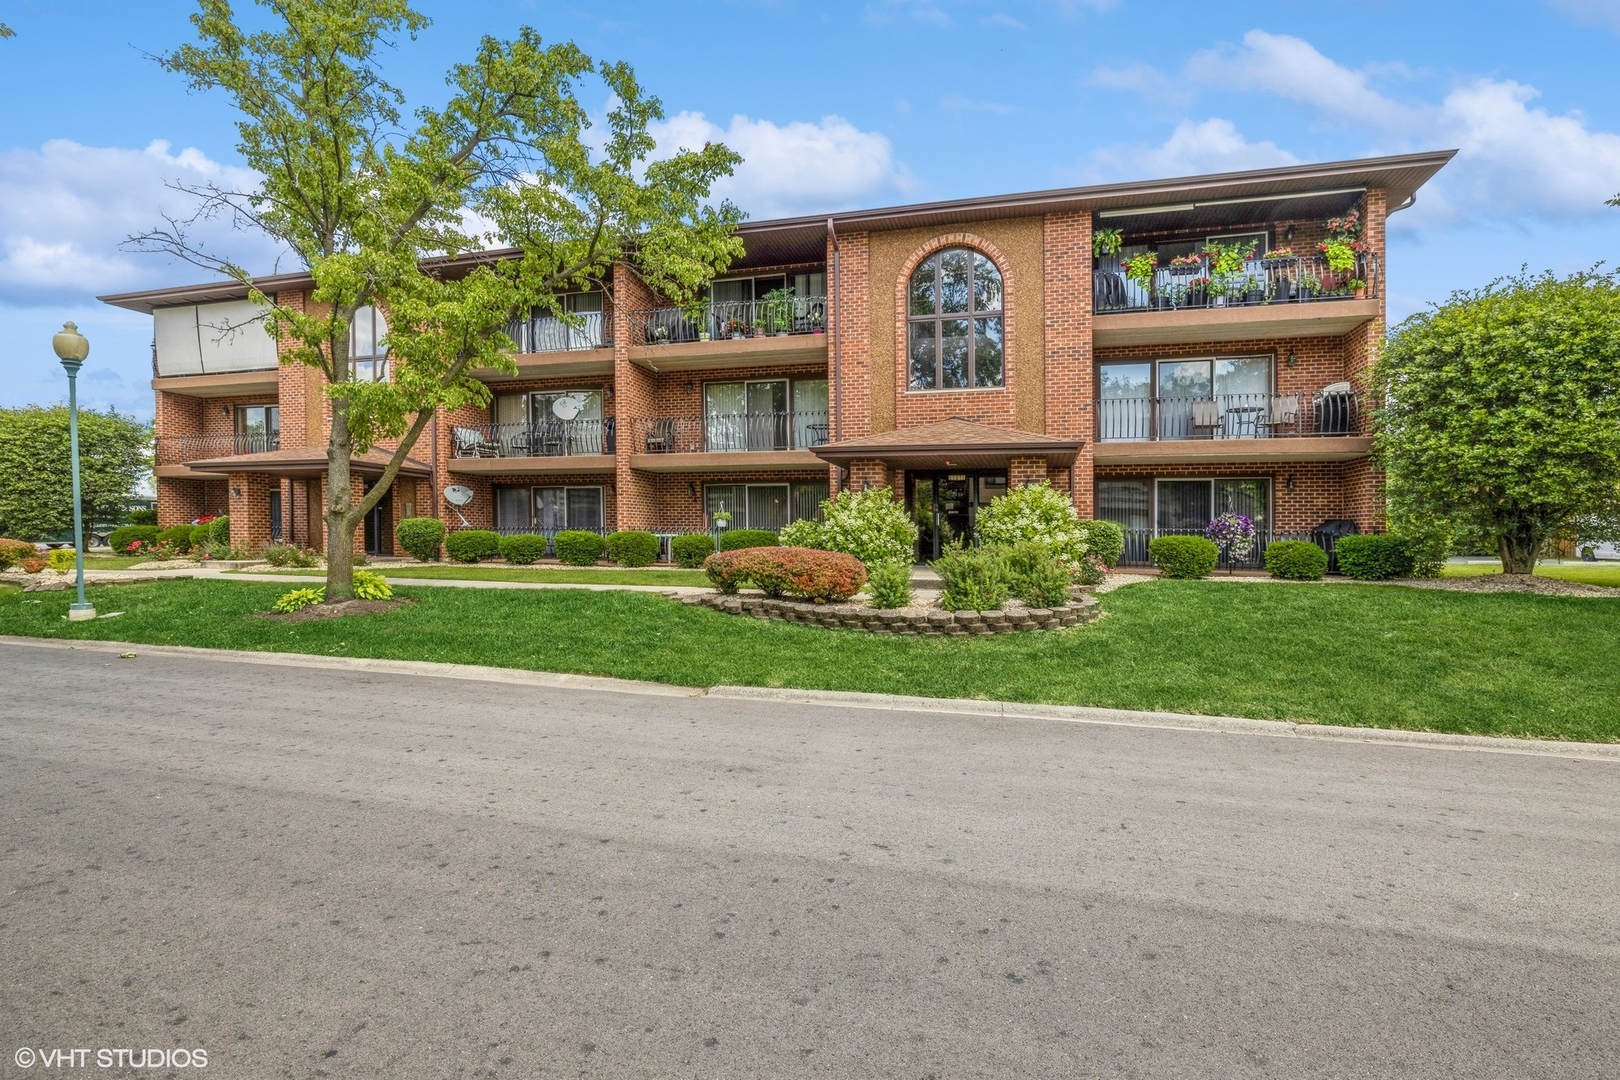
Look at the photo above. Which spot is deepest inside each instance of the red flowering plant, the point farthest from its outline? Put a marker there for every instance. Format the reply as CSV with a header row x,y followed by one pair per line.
x,y
800,573
1343,242
1187,260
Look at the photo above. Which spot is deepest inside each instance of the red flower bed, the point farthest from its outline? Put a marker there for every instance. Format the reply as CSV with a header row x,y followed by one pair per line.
x,y
801,573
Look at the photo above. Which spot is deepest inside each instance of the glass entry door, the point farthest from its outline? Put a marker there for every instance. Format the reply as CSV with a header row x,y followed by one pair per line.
x,y
945,506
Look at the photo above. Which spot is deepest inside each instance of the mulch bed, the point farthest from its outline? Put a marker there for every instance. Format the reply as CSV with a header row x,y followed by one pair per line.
x,y
1513,583
317,612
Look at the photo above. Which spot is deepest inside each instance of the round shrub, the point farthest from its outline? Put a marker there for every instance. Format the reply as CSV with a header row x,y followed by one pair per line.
x,y
737,539
143,517
576,547
889,585
1034,514
470,545
1184,556
690,550
219,530
201,534
975,579
1106,539
1296,560
522,549
120,539
869,525
801,573
420,537
1373,557
632,548
177,537
62,559
13,552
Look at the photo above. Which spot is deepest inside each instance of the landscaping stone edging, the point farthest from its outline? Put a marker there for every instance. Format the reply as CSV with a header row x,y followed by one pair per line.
x,y
935,623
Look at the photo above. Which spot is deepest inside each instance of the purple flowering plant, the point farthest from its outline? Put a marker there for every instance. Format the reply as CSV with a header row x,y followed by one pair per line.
x,y
1234,533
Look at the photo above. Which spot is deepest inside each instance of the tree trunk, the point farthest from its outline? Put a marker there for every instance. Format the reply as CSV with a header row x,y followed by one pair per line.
x,y
340,516
1517,545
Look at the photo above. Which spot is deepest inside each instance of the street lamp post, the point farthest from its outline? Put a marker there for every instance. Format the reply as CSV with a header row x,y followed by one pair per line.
x,y
72,349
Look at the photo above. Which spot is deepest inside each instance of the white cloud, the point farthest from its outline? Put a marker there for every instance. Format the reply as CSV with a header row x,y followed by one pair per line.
x,y
1142,79
1207,146
1604,13
795,168
1291,67
65,209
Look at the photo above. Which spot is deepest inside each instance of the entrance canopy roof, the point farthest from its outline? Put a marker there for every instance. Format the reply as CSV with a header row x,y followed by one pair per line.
x,y
305,461
951,444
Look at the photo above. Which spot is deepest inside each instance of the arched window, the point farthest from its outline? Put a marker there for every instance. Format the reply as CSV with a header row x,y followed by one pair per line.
x,y
954,322
368,346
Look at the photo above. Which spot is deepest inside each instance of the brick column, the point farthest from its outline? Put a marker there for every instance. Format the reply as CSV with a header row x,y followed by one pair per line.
x,y
1070,378
1025,470
868,472
250,509
634,400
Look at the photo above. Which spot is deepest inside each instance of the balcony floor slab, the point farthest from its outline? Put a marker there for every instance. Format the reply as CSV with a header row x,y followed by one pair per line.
x,y
223,384
750,352
582,464
1317,318
736,461
1236,451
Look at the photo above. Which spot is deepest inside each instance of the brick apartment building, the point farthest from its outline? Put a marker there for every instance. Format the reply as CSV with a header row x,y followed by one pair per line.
x,y
946,350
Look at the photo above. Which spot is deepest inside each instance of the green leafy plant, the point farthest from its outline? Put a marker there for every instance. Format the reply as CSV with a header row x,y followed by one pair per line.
x,y
975,579
36,483
805,533
737,539
690,550
62,559
219,530
801,573
177,537
298,599
869,525
1140,268
577,547
1105,539
1106,242
121,538
13,552
143,517
470,545
522,549
889,585
370,585
1374,557
200,535
287,555
420,537
633,548
1184,556
1034,514
776,311
1296,560
1037,576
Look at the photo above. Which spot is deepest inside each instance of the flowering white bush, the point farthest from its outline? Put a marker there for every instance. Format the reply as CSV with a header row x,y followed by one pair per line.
x,y
869,525
804,533
1035,514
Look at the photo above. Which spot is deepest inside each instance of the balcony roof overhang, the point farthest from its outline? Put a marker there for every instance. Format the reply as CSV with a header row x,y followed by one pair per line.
x,y
222,384
304,461
951,444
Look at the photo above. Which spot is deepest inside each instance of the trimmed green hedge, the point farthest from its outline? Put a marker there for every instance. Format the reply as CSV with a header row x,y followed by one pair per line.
x,y
737,539
420,537
523,548
1374,557
201,534
143,517
576,547
632,548
177,537
1106,540
1296,560
219,530
470,545
120,539
690,550
1184,556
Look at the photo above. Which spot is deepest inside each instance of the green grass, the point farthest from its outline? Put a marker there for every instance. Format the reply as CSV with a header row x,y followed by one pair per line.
x,y
1605,573
1384,656
555,575
114,562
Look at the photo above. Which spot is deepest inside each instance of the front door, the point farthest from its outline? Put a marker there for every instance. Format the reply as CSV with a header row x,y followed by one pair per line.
x,y
379,537
945,506
275,515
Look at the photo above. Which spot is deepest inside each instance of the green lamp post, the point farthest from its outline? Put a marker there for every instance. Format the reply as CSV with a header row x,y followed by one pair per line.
x,y
72,349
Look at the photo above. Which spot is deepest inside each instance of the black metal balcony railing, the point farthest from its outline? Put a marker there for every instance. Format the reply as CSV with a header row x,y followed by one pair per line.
x,y
548,333
730,319
731,432
545,438
179,449
1325,413
1137,541
1291,279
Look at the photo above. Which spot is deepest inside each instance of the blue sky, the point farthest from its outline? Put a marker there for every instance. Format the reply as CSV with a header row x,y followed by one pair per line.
x,y
841,105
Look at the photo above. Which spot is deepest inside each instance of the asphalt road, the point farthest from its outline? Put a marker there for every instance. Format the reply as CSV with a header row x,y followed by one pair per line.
x,y
312,873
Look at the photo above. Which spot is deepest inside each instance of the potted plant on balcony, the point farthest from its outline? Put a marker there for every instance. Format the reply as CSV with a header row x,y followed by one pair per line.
x,y
735,329
1106,242
1342,250
776,309
1227,265
1140,269
697,313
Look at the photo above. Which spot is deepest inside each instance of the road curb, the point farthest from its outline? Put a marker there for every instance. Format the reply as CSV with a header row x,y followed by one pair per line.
x,y
1006,710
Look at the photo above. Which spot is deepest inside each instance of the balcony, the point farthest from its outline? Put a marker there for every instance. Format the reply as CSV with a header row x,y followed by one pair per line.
x,y
722,442
173,452
730,334
1292,296
548,347
1328,425
549,446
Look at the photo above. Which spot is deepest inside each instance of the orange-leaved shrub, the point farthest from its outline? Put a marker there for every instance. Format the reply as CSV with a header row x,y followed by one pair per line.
x,y
800,573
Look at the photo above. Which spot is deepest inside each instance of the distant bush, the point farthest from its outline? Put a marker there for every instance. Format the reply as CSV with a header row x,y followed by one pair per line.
x,y
177,537
800,573
975,579
420,537
1374,557
287,555
889,585
1184,556
690,550
576,547
143,517
1106,539
62,559
120,539
1296,560
634,548
522,549
13,552
470,545
737,539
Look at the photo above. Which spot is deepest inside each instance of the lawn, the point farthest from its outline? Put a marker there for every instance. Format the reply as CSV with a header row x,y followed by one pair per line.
x,y
1603,573
1386,656
582,575
114,562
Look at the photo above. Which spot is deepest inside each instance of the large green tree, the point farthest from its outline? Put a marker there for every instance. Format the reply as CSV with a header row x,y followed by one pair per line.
x,y
36,479
373,206
1500,412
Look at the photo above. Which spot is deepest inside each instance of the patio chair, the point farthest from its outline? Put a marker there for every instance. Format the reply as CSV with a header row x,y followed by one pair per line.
x,y
470,442
548,439
817,434
1206,419
1283,414
660,436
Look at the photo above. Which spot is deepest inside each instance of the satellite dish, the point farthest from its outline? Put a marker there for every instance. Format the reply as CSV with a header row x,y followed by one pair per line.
x,y
567,407
458,495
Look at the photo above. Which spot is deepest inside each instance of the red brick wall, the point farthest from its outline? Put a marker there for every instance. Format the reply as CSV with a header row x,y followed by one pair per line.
x,y
635,390
1321,491
679,510
1070,387
851,339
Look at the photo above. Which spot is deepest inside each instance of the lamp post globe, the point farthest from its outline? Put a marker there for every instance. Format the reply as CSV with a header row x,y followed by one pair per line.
x,y
72,349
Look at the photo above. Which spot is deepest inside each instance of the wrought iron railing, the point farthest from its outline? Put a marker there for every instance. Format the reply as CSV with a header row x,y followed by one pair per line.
x,y
548,333
1137,541
1327,412
730,432
1269,280
544,438
723,320
179,449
